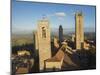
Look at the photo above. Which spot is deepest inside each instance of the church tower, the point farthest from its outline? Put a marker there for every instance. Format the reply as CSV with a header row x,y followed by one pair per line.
x,y
79,30
43,40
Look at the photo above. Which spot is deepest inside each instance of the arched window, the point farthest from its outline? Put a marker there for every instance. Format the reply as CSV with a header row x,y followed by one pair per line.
x,y
43,32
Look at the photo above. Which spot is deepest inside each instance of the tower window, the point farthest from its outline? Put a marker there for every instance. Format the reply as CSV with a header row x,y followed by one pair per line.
x,y
43,32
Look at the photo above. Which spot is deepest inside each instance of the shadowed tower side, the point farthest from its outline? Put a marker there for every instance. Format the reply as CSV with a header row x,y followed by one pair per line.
x,y
60,33
79,30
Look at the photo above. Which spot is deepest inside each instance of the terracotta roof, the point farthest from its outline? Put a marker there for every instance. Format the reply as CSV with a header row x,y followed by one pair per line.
x,y
57,57
22,70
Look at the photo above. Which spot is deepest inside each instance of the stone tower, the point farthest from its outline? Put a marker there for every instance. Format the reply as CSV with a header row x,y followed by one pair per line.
x,y
79,30
73,37
43,44
60,33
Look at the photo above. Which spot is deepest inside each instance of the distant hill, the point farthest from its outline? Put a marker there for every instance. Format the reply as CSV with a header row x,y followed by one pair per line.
x,y
24,37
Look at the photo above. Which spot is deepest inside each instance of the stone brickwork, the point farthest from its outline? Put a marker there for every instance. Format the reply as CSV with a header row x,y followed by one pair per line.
x,y
79,30
43,40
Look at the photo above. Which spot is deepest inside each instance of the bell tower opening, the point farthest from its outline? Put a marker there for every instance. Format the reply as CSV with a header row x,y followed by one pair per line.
x,y
43,32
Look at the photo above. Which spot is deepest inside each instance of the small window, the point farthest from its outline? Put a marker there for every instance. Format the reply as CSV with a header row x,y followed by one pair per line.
x,y
43,32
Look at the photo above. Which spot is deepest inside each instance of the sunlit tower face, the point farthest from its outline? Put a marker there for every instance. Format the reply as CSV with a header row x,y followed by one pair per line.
x,y
44,42
79,30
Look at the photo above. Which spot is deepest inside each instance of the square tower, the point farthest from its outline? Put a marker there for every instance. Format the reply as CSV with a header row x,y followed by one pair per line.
x,y
44,42
79,30
60,33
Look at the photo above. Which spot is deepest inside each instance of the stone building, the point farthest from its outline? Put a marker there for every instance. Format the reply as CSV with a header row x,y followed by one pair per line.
x,y
86,45
55,63
60,33
23,52
56,44
79,30
73,37
43,42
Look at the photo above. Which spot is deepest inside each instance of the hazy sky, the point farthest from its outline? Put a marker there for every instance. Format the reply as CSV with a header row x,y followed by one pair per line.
x,y
26,14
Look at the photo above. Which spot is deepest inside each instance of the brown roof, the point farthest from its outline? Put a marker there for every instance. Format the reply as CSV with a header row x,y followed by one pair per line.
x,y
22,70
57,57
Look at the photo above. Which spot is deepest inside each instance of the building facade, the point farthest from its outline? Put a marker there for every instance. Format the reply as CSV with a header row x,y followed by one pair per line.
x,y
79,30
73,37
56,44
60,33
43,42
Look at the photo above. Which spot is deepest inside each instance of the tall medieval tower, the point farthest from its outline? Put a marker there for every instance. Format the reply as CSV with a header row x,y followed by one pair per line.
x,y
43,44
60,33
79,30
